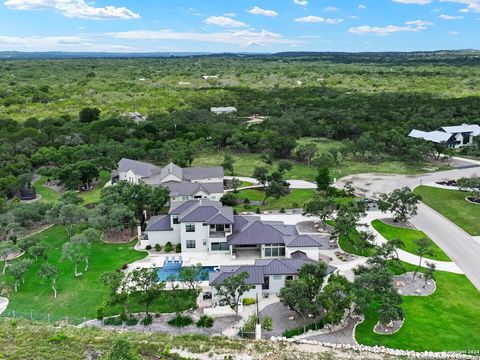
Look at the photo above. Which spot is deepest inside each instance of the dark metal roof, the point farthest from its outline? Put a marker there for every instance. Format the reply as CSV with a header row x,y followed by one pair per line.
x,y
138,167
255,274
306,241
159,223
212,172
190,189
260,232
202,210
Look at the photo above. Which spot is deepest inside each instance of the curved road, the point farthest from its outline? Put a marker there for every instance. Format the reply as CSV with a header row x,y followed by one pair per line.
x,y
454,241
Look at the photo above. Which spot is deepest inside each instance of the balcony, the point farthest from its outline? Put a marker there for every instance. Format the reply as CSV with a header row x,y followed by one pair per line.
x,y
218,234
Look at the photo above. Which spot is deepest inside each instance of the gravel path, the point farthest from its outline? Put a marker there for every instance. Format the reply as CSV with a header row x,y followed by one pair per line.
x,y
414,287
343,336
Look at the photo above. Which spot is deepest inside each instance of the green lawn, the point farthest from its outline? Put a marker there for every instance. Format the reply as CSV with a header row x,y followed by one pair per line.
x,y
408,236
77,297
93,196
446,320
295,199
349,244
452,205
47,194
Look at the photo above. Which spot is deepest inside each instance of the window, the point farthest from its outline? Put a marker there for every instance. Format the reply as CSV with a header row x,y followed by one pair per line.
x,y
175,219
222,246
212,227
277,277
190,227
227,226
190,244
274,250
204,242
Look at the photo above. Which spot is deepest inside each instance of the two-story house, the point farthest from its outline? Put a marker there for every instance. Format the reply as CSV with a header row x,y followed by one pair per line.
x,y
183,183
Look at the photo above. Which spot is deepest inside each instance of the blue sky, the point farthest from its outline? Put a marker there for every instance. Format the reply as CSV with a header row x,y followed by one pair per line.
x,y
238,25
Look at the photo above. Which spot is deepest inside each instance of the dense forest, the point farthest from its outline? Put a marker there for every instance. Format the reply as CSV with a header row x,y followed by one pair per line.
x,y
68,119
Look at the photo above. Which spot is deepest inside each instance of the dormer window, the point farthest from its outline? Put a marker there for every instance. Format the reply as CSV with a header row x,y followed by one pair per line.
x,y
175,219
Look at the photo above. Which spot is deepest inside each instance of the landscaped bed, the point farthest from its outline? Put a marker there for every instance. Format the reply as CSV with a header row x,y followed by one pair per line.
x,y
78,297
452,205
408,236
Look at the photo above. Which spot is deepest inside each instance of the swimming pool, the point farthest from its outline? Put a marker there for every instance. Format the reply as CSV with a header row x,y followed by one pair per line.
x,y
164,273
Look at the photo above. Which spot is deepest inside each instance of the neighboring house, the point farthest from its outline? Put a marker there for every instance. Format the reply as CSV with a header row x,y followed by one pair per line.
x,y
267,276
183,183
452,136
207,226
223,110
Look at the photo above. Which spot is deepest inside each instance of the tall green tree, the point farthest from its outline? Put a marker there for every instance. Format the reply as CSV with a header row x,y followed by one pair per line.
x,y
18,270
231,290
228,164
147,284
424,248
321,206
403,204
49,272
323,179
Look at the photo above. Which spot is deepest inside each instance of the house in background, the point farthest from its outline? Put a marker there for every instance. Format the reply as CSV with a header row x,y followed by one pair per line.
x,y
223,110
453,136
183,183
208,227
267,276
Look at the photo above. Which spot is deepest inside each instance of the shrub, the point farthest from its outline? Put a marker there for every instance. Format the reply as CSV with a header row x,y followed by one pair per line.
x,y
246,201
249,326
295,205
147,320
282,210
181,321
122,350
168,247
13,323
301,330
178,248
148,247
257,210
248,301
158,247
100,312
205,322
113,321
131,321
58,337
124,266
267,323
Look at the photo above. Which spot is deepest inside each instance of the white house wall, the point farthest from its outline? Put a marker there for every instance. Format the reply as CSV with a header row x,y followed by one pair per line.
x,y
129,176
208,180
162,237
200,236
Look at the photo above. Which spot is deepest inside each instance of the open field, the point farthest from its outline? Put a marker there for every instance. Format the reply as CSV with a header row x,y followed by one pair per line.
x,y
77,297
93,196
452,205
408,236
445,320
295,199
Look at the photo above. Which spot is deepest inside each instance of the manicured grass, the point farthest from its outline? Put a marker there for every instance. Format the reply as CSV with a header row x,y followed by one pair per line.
x,y
295,199
47,194
408,236
93,196
452,205
446,320
77,297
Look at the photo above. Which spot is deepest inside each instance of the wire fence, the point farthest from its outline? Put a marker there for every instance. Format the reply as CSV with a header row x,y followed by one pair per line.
x,y
46,318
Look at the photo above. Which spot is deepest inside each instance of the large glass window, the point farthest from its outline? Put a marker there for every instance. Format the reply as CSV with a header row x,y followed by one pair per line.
x,y
190,244
190,227
274,250
222,246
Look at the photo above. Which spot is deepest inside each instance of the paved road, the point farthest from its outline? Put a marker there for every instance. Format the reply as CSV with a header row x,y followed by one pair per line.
x,y
462,248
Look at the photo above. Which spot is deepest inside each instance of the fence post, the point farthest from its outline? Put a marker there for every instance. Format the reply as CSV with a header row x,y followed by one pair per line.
x,y
66,319
31,316
14,314
48,317
84,321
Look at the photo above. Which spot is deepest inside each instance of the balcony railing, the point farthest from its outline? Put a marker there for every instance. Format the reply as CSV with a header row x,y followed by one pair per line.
x,y
218,234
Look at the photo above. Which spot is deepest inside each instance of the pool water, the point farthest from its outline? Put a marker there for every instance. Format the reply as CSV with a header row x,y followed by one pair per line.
x,y
164,273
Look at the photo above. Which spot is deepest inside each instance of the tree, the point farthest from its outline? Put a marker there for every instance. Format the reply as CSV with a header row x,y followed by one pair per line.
x,y
335,298
348,217
7,248
323,179
157,200
306,152
388,251
401,202
70,197
146,283
88,115
236,183
229,199
429,273
472,185
366,239
18,270
119,289
72,251
261,175
67,215
192,276
424,248
38,250
321,206
231,290
390,308
227,163
276,189
284,166
301,293
49,272
86,239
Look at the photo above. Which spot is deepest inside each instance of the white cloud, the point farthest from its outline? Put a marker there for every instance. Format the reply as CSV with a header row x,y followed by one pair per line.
x,y
454,32
259,11
74,9
450,17
472,5
301,2
330,9
417,2
410,26
235,37
354,17
224,21
362,7
317,19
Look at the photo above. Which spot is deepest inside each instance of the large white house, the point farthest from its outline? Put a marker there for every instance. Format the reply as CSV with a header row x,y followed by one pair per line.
x,y
207,226
453,136
183,183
